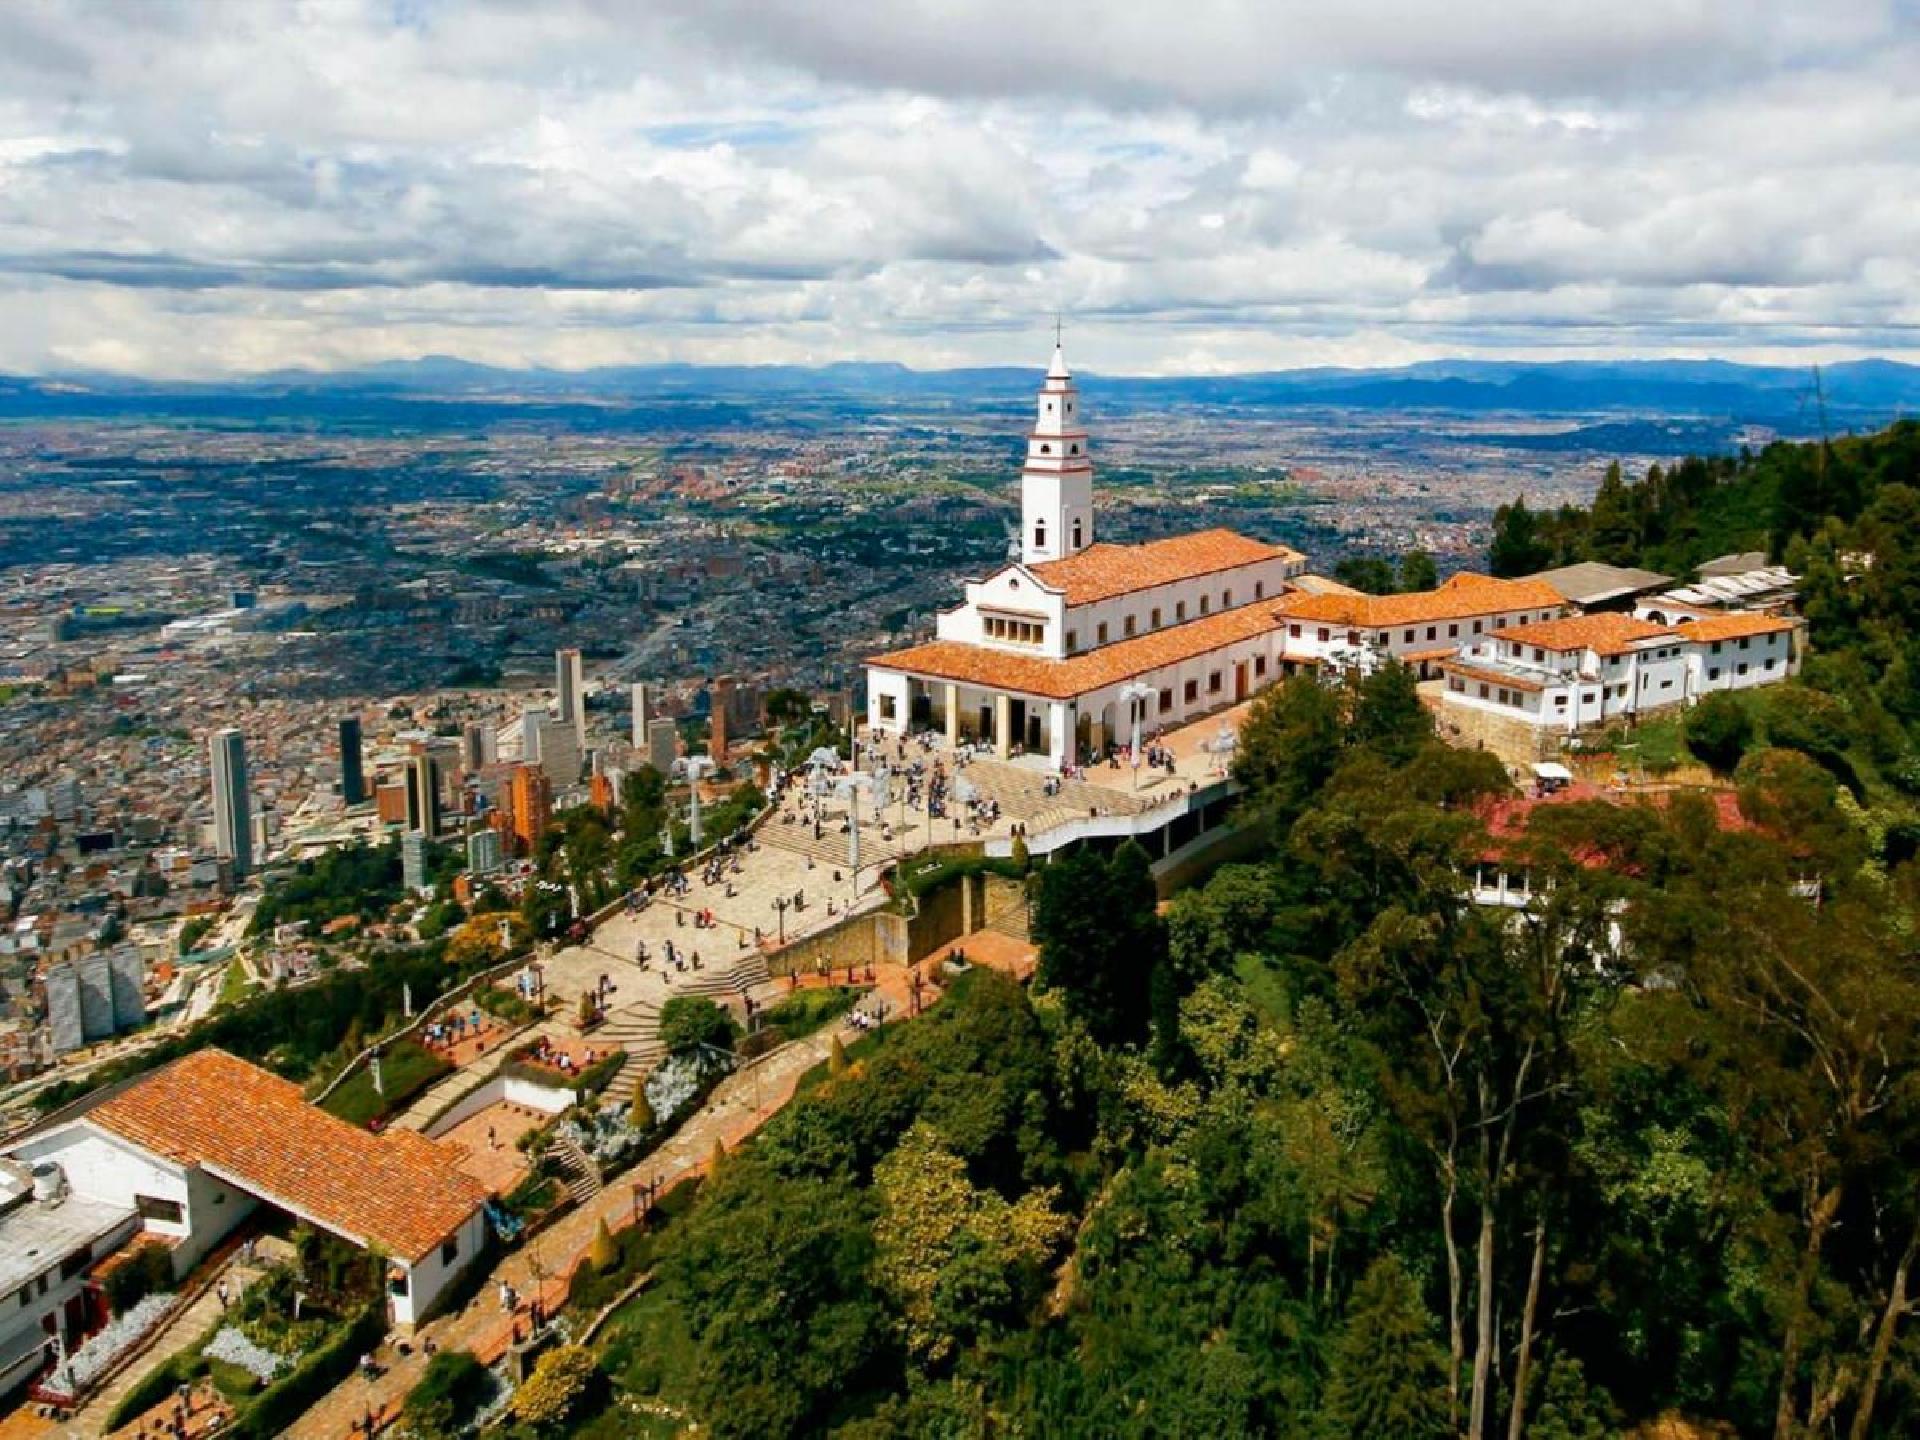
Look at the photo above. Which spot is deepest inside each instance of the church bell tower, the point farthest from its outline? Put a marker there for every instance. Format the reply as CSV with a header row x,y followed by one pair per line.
x,y
1056,483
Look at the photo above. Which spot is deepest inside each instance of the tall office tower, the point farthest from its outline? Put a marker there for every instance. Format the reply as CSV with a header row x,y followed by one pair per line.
x,y
423,795
533,724
531,800
474,746
63,1007
569,684
484,855
127,980
560,754
639,716
662,745
232,809
413,860
353,774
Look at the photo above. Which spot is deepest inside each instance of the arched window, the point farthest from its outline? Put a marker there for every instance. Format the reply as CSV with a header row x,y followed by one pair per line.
x,y
1074,449
1076,534
1046,449
1039,534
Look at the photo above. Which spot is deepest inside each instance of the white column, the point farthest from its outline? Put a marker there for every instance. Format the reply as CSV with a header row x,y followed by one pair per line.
x,y
1059,731
953,715
1002,722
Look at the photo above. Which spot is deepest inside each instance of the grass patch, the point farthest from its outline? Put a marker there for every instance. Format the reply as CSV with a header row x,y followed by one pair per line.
x,y
236,984
649,1348
1657,746
1264,988
505,1004
406,1069
805,1011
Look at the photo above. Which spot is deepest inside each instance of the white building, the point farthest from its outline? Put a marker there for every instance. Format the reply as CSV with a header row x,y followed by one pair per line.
x,y
1059,652
189,1151
1567,675
1420,629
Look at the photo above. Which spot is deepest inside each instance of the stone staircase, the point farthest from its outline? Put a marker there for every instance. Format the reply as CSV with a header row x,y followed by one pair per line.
x,y
829,852
1021,793
635,1028
1007,914
578,1174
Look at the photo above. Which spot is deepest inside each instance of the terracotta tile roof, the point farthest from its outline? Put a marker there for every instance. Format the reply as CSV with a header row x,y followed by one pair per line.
x,y
1463,597
1732,627
1470,671
1508,818
400,1191
1064,679
1602,634
1101,572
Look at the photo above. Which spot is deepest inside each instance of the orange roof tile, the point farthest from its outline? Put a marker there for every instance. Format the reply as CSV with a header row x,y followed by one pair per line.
x,y
1732,626
1463,597
1492,677
1064,679
400,1191
1603,634
1103,571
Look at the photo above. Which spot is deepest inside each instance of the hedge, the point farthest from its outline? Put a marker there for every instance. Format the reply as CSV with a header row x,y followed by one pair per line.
x,y
283,1402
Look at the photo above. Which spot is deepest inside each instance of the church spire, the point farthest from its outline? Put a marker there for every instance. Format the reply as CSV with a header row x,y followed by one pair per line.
x,y
1056,484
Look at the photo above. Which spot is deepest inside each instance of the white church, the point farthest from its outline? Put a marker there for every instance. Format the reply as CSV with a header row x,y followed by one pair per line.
x,y
1059,652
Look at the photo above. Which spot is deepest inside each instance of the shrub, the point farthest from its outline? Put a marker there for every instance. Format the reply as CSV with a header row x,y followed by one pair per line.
x,y
689,1021
283,1401
563,1379
603,1255
147,1269
451,1391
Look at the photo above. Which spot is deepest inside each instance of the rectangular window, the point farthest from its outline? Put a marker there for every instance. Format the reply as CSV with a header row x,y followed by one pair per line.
x,y
1433,632
1294,631
1260,665
1771,663
1538,654
1180,610
1743,642
1457,685
1166,700
1192,691
1073,641
1226,599
1500,622
26,1296
1741,668
1716,647
1476,627
1213,683
1323,634
152,1207
1100,633
1206,604
1453,632
1259,589
1561,701
1154,619
1407,639
1483,692
886,707
1129,626
450,1251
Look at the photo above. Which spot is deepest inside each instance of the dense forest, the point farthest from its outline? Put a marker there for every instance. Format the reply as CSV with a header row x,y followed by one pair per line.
x,y
1320,1149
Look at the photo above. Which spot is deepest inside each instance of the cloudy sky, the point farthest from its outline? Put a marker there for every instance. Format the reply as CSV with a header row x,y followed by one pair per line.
x,y
1198,185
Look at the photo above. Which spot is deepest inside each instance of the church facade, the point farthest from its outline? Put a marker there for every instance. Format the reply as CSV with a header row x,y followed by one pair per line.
x,y
1061,652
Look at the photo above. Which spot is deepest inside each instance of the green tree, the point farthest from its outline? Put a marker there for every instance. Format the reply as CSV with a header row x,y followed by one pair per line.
x,y
1100,934
1388,716
1289,744
1366,572
1386,1379
1719,730
1516,548
1418,572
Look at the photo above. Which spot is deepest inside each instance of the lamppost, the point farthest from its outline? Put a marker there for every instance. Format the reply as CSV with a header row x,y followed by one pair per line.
x,y
780,908
697,766
1136,695
849,788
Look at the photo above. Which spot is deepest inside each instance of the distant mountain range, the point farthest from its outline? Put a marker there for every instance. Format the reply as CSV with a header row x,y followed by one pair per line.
x,y
438,388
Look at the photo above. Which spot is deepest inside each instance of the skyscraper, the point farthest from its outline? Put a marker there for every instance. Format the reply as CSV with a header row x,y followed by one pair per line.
x,y
353,775
639,716
423,795
232,810
569,684
530,799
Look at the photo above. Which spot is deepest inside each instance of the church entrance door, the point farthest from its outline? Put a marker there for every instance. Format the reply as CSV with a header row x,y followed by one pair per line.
x,y
1239,682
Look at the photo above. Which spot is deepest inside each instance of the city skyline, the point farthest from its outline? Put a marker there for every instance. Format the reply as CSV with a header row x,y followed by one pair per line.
x,y
187,192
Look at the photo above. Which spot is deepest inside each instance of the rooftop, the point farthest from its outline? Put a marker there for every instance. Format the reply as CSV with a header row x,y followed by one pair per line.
x,y
1463,596
1103,571
1064,679
399,1191
1602,634
1733,626
34,1236
1592,583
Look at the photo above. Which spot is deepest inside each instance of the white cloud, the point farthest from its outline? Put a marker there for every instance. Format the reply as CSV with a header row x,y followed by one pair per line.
x,y
1213,185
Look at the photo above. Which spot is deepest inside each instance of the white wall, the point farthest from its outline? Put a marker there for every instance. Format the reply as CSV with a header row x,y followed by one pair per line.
x,y
1267,577
1310,645
1727,657
427,1279
894,684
